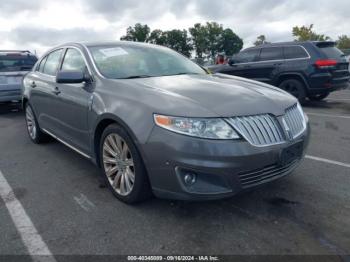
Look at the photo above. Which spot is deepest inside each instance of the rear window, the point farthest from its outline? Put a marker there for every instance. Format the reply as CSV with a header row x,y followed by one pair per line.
x,y
16,62
330,50
292,52
271,53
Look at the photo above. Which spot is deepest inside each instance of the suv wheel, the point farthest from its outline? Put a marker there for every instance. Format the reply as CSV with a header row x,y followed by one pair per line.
x,y
122,166
34,132
294,87
318,97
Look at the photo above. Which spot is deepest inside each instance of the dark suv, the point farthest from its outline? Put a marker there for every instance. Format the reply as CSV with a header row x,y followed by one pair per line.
x,y
14,64
304,69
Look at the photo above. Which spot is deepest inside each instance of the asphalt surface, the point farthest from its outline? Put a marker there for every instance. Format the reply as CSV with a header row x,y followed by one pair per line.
x,y
303,214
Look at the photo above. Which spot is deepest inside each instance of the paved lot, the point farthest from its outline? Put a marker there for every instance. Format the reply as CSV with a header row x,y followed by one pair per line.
x,y
60,191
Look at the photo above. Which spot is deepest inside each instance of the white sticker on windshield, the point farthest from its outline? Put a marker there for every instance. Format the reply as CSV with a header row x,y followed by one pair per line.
x,y
114,51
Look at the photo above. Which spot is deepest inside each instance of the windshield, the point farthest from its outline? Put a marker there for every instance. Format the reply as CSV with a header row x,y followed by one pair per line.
x,y
10,63
122,61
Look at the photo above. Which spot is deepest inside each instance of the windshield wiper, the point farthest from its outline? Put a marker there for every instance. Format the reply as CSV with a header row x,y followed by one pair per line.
x,y
183,73
136,76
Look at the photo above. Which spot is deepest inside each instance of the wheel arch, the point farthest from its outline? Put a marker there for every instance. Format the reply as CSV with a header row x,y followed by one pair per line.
x,y
103,122
24,102
294,75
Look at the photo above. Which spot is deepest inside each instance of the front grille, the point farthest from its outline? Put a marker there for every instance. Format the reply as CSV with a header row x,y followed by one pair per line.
x,y
265,174
295,120
259,130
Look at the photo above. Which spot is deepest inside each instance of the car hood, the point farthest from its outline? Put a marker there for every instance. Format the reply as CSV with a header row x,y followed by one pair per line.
x,y
223,95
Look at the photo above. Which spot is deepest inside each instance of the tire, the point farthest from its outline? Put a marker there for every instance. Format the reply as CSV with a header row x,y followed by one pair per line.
x,y
122,166
295,87
318,97
34,131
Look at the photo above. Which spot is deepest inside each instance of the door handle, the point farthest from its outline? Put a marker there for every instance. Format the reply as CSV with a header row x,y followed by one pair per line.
x,y
56,91
33,85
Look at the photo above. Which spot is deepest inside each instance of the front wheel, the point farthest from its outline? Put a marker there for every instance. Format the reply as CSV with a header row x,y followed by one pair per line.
x,y
122,166
318,97
295,87
34,132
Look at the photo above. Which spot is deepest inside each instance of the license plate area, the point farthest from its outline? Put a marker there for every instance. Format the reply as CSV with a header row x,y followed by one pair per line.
x,y
291,153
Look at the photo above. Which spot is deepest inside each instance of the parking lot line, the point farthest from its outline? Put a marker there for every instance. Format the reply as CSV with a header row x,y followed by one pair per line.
x,y
327,115
328,161
30,236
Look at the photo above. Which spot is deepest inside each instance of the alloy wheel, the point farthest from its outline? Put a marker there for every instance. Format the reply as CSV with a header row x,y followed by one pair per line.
x,y
118,164
31,125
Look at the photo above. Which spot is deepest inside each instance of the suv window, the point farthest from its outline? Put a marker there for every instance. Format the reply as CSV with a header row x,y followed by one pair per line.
x,y
16,62
52,62
292,52
271,53
247,56
331,51
73,60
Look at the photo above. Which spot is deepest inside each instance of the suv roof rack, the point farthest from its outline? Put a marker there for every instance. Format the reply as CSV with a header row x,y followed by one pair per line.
x,y
17,51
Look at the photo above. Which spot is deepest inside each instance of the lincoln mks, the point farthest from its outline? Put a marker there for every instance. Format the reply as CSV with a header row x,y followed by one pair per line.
x,y
156,123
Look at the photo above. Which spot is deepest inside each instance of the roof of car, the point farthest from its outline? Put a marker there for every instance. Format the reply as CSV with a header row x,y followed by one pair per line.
x,y
107,43
21,52
290,43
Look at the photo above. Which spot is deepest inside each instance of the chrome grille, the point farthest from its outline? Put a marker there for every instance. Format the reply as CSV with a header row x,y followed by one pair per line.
x,y
265,174
259,130
295,120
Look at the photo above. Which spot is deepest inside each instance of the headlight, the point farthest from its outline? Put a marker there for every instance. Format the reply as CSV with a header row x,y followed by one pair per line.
x,y
211,128
305,118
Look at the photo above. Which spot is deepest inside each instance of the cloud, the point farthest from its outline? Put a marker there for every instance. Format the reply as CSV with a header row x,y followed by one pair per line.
x,y
44,23
47,36
18,6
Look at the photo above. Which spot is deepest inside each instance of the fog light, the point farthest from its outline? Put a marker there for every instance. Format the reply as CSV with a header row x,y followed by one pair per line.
x,y
190,179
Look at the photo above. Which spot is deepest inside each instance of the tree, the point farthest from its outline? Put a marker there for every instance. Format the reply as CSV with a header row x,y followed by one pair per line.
x,y
199,39
210,39
231,43
305,33
343,42
157,37
179,41
261,39
138,33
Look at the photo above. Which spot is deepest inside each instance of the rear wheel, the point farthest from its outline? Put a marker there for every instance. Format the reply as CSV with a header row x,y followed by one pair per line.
x,y
318,97
34,132
122,166
295,87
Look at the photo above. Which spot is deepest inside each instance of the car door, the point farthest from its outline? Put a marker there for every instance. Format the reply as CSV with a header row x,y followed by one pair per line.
x,y
72,104
243,64
269,63
42,86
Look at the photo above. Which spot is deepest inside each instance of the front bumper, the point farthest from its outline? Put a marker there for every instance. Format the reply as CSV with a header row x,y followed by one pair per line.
x,y
223,168
10,95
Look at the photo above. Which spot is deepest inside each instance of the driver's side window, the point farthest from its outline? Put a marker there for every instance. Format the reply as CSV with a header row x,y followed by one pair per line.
x,y
247,56
73,61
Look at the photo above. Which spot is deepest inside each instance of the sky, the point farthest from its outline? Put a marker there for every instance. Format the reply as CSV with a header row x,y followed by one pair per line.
x,y
41,24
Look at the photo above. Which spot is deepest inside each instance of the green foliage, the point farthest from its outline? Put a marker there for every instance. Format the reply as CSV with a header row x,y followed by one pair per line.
x,y
157,37
179,41
199,39
343,42
211,39
261,39
305,33
138,33
231,43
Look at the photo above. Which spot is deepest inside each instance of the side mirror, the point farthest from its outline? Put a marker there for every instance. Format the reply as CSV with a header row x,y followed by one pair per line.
x,y
231,61
71,77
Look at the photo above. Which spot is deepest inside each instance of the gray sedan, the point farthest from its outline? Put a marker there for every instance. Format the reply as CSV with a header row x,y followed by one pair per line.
x,y
155,122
